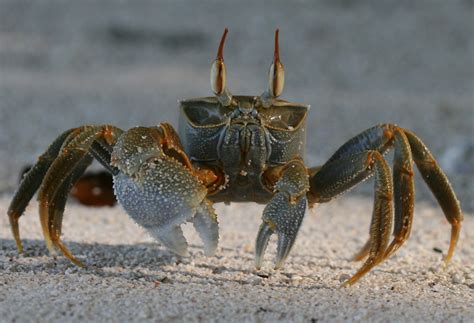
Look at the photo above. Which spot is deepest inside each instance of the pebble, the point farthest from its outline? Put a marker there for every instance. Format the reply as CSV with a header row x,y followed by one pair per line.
x,y
457,279
344,277
145,313
255,280
70,271
296,278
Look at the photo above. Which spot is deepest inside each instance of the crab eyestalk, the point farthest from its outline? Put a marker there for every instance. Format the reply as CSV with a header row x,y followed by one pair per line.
x,y
276,77
218,75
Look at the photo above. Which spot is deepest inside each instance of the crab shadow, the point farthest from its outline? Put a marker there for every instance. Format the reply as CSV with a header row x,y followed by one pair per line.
x,y
144,261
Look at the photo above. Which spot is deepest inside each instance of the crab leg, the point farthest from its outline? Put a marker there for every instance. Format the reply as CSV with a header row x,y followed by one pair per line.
x,y
439,185
57,206
404,197
30,184
56,181
404,189
285,211
346,168
382,214
102,151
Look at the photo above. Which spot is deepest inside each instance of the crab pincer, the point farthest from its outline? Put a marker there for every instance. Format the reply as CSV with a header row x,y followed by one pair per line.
x,y
157,187
285,212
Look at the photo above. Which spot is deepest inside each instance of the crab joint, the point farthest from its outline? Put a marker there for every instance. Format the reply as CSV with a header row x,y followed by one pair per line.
x,y
218,75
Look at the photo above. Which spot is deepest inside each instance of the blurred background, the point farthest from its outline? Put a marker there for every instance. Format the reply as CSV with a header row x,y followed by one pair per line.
x,y
358,63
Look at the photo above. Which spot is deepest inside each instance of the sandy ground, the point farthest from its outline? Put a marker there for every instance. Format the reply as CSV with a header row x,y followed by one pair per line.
x,y
132,278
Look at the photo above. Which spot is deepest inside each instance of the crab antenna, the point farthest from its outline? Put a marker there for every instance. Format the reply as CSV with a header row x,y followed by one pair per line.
x,y
276,77
220,51
218,75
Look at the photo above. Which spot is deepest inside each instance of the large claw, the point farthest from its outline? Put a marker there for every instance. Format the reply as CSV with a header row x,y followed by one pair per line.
x,y
206,225
284,217
158,189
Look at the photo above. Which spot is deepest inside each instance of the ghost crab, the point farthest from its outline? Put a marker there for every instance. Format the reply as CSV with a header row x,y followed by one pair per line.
x,y
237,149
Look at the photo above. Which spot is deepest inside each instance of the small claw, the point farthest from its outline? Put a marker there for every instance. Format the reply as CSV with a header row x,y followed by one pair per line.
x,y
172,238
206,225
284,218
283,249
264,234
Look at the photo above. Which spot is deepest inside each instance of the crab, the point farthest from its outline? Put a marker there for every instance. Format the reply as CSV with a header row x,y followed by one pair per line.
x,y
236,148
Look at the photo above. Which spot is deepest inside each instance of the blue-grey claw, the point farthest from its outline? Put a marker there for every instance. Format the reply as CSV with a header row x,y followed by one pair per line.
x,y
264,234
284,246
206,224
172,238
163,194
284,217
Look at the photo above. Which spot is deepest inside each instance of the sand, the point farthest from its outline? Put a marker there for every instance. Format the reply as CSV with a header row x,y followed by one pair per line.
x,y
68,63
132,278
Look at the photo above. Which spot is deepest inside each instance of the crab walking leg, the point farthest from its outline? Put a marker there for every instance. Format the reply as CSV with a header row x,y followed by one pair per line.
x,y
59,172
382,215
439,185
103,155
404,192
364,251
30,184
57,206
285,211
338,176
326,183
404,196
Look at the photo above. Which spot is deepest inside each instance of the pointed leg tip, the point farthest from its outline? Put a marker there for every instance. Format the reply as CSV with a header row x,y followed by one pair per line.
x,y
446,261
345,284
19,246
79,263
13,217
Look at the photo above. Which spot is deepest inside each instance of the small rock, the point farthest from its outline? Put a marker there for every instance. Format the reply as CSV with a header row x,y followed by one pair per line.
x,y
145,313
457,279
165,280
296,278
263,275
471,286
255,280
438,250
69,271
344,277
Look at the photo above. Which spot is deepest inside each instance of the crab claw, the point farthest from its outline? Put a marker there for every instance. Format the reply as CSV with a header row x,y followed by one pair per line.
x,y
284,217
157,187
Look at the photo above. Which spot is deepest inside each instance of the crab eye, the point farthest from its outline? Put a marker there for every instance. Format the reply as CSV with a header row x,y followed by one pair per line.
x,y
218,70
276,77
